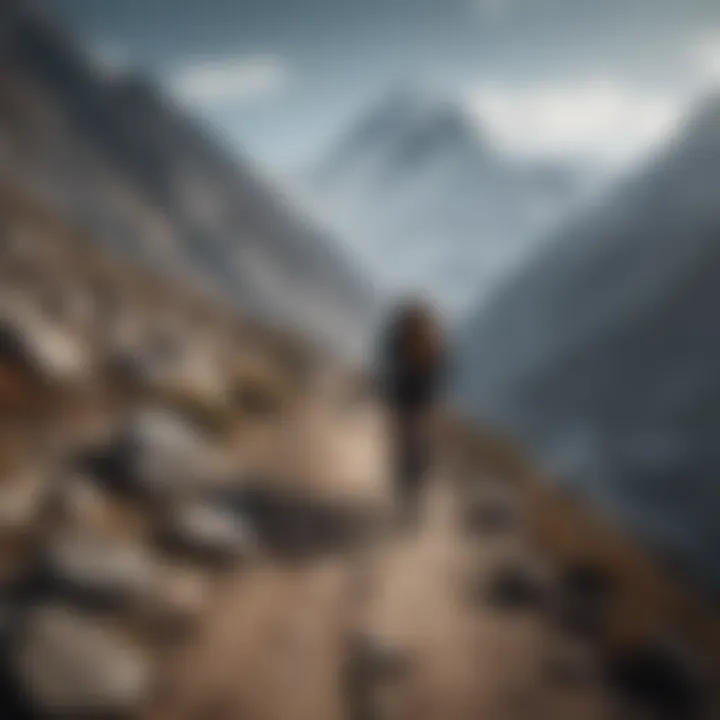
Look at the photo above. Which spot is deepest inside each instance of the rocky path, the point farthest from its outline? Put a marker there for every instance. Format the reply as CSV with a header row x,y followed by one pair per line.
x,y
152,571
155,587
194,526
449,620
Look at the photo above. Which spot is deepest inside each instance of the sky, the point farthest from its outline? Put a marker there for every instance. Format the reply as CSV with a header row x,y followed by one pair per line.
x,y
596,79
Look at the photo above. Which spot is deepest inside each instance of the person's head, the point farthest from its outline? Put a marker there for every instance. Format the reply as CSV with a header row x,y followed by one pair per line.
x,y
416,311
419,326
410,304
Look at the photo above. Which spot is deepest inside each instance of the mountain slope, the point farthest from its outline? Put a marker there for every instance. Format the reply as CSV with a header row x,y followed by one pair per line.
x,y
604,352
120,159
169,551
431,203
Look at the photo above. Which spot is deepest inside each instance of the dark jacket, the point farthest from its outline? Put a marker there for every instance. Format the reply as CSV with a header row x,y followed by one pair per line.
x,y
407,383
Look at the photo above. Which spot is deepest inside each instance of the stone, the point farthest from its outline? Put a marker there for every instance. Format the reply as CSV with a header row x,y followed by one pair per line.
x,y
157,454
97,570
208,532
54,354
71,665
293,525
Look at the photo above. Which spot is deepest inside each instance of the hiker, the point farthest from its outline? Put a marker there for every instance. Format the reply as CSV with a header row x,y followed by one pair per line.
x,y
412,365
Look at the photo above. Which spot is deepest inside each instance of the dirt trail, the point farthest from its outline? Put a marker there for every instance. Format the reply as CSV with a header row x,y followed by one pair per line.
x,y
395,629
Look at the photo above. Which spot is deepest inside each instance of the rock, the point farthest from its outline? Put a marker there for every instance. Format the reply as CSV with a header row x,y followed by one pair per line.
x,y
157,454
71,665
659,678
52,353
99,571
294,525
159,431
208,532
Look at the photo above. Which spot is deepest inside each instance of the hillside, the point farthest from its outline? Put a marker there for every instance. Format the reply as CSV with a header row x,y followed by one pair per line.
x,y
194,524
116,156
416,179
602,353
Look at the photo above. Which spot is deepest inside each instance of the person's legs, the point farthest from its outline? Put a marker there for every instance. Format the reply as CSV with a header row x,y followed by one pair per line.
x,y
411,461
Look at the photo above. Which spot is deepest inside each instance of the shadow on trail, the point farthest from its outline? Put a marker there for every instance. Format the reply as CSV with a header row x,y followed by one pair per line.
x,y
293,527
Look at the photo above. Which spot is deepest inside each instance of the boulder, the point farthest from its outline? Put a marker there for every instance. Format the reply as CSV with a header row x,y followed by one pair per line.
x,y
52,353
208,532
157,454
295,525
99,571
71,665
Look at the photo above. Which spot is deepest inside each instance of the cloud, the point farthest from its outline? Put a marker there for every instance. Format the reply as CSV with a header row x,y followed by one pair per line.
x,y
599,120
492,8
706,56
231,79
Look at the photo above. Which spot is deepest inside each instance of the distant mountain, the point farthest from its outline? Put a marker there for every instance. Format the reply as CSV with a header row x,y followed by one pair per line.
x,y
604,353
122,160
429,202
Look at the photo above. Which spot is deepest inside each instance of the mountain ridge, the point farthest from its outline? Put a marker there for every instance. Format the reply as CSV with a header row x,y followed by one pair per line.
x,y
600,352
416,179
125,160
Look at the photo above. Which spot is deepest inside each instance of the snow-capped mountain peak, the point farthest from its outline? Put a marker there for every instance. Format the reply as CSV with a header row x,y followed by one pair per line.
x,y
428,200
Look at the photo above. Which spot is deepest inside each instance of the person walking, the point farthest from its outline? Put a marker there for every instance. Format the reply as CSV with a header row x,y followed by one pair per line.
x,y
412,366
